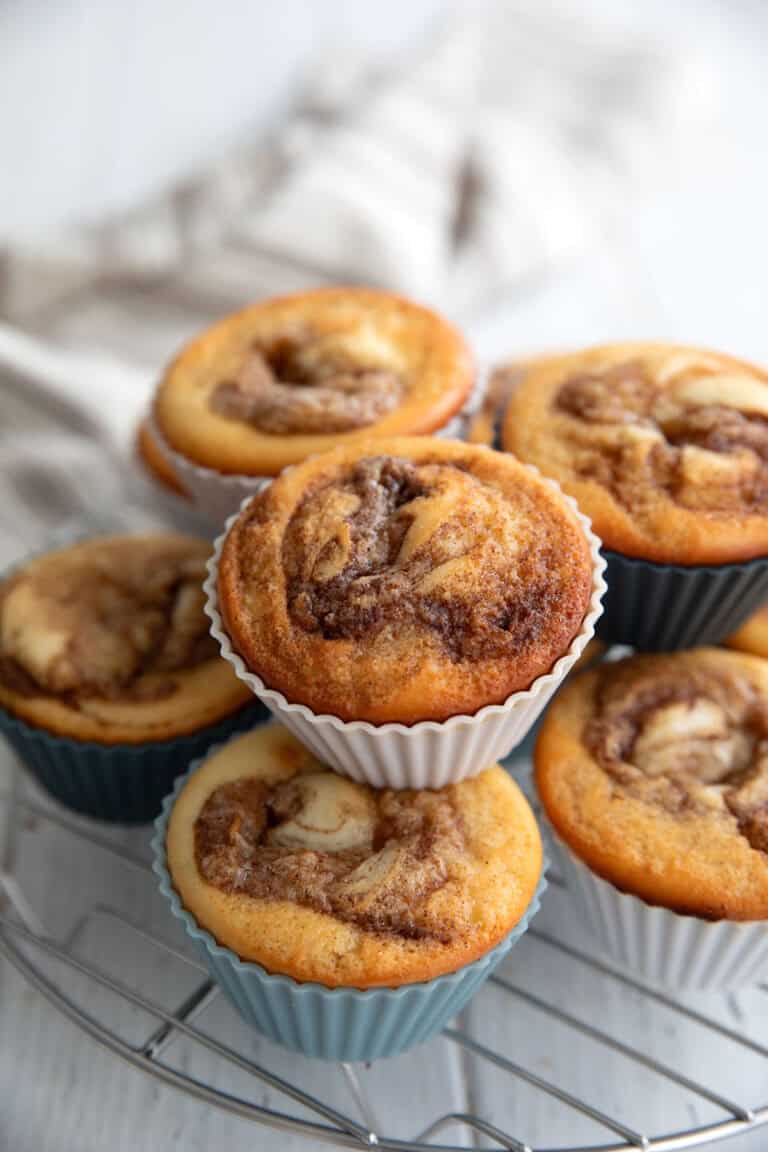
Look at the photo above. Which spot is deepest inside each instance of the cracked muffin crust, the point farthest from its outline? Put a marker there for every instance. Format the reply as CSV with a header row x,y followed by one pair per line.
x,y
654,771
295,375
319,878
107,641
665,448
404,580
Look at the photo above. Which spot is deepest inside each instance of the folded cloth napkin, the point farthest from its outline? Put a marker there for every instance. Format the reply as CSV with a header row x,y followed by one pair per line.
x,y
473,170
65,444
469,171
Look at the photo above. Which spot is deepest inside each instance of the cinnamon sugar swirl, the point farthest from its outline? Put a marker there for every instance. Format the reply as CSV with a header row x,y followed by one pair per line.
x,y
654,772
322,879
665,448
291,376
107,641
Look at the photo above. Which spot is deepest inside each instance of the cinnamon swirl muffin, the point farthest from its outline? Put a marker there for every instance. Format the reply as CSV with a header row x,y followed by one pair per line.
x,y
293,376
301,873
666,449
107,670
405,580
654,774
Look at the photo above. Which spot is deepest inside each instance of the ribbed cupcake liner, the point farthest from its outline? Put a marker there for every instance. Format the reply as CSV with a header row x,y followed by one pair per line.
x,y
217,495
427,754
119,783
347,1024
179,511
662,946
663,607
458,426
525,749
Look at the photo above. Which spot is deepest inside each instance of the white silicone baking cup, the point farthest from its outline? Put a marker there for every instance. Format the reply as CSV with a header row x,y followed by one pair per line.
x,y
458,426
428,754
661,946
177,510
217,495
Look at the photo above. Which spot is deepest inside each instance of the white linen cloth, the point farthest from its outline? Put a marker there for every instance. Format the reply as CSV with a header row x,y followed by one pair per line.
x,y
518,137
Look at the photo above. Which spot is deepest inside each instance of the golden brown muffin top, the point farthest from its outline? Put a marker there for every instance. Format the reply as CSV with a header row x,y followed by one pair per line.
x,y
291,376
325,879
405,580
664,447
655,771
115,620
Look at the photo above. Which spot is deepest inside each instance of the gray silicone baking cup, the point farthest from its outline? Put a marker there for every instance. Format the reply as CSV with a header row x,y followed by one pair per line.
x,y
664,607
348,1024
119,783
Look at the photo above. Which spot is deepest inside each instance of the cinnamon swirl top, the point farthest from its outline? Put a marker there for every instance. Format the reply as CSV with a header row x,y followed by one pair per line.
x,y
324,879
107,625
404,580
288,377
655,770
368,858
665,448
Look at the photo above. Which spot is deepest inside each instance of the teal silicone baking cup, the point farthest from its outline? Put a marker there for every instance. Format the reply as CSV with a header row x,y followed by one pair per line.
x,y
348,1024
666,607
119,783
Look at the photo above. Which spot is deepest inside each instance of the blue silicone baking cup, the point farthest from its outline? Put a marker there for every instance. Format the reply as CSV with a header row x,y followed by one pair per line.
x,y
665,607
119,783
348,1024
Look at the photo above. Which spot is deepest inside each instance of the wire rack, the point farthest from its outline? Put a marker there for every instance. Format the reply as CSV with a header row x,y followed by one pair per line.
x,y
626,1048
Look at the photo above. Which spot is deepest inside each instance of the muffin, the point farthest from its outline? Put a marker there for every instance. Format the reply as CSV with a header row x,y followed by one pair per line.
x,y
666,450
753,635
403,588
296,375
302,886
109,680
653,772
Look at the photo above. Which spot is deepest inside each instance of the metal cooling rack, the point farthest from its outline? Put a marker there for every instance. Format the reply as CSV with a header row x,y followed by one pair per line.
x,y
55,961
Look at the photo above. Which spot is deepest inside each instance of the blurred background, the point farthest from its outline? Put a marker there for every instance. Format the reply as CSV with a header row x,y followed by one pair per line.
x,y
547,173
463,152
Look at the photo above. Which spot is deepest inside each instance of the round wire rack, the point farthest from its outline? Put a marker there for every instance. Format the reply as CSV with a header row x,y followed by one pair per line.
x,y
559,1050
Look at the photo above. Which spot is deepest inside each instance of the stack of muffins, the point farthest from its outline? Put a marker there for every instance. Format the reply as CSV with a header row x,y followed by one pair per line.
x,y
406,604
653,772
